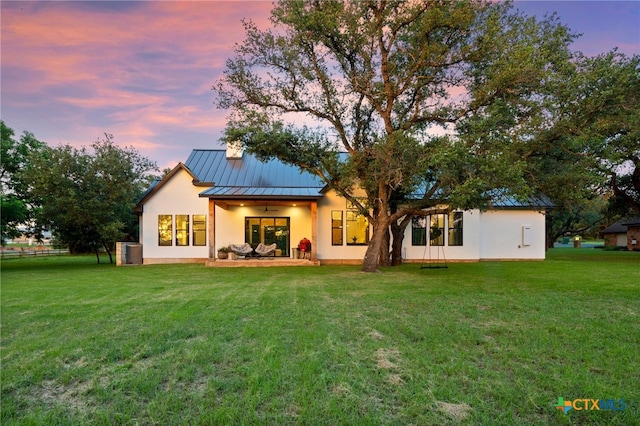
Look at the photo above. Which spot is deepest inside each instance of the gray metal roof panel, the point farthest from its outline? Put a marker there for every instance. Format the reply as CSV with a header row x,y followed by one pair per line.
x,y
502,199
213,166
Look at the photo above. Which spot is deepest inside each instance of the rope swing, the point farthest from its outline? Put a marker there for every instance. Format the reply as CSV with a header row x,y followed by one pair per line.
x,y
438,262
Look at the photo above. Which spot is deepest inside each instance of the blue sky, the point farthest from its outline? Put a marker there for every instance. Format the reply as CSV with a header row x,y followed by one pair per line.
x,y
143,71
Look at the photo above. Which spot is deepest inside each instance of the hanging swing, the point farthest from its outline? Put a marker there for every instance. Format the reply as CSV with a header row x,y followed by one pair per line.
x,y
431,263
438,262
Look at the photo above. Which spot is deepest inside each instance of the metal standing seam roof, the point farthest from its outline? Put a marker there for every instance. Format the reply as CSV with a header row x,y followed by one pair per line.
x,y
250,177
501,199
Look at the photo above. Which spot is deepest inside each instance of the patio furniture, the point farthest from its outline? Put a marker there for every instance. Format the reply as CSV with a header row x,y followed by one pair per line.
x,y
243,250
264,250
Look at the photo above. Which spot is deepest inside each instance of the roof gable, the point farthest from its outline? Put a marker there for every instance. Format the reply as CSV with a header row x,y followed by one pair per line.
x,y
157,184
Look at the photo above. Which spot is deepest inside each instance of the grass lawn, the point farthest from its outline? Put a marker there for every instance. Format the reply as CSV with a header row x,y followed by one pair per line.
x,y
478,343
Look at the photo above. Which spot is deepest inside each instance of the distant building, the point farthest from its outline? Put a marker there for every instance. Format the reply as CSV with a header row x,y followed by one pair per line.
x,y
623,233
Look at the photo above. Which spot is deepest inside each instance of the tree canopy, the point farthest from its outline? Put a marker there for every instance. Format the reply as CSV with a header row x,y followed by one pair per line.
x,y
409,90
88,195
17,210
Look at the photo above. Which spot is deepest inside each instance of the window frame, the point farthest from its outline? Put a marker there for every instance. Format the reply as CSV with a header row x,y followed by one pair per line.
x,y
455,231
437,229
337,228
419,240
195,231
352,215
166,242
180,221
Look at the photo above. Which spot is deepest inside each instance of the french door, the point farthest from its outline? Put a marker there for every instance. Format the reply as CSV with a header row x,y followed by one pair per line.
x,y
268,230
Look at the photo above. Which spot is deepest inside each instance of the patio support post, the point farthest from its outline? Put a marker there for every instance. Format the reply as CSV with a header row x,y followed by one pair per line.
x,y
314,230
212,229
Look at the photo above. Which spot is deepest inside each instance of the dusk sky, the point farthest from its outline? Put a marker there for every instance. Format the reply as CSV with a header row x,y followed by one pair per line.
x,y
143,71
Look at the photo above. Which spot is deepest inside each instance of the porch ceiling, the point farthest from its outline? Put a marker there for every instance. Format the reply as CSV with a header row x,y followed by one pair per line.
x,y
266,203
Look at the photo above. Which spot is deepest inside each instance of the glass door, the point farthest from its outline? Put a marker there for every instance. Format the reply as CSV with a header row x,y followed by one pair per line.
x,y
268,230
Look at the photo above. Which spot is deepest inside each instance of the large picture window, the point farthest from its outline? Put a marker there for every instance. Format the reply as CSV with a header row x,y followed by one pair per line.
x,y
336,228
436,229
439,225
182,230
357,226
199,230
419,230
183,233
165,230
455,229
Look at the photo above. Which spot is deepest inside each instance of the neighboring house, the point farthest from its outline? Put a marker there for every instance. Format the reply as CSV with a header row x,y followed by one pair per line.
x,y
623,233
219,197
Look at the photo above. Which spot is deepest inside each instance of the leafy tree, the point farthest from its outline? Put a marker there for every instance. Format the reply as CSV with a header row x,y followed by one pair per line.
x,y
584,142
615,126
17,210
381,80
88,195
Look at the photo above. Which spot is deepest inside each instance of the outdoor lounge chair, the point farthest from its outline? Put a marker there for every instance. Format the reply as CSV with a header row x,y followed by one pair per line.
x,y
241,249
263,250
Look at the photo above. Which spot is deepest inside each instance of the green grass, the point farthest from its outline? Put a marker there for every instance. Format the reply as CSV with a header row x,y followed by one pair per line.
x,y
479,343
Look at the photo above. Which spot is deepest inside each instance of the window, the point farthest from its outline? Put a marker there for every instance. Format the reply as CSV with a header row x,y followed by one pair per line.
x,y
182,234
455,229
182,230
336,228
199,230
436,232
419,230
165,229
357,226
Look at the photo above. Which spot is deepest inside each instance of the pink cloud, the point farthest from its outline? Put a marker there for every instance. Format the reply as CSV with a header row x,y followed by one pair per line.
x,y
142,71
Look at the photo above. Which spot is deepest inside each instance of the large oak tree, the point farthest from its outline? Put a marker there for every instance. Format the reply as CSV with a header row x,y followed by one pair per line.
x,y
396,85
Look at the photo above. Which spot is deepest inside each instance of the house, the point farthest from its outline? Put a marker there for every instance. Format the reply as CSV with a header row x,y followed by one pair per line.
x,y
222,197
623,233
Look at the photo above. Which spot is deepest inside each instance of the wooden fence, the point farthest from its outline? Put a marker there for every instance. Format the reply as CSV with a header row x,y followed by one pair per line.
x,y
31,252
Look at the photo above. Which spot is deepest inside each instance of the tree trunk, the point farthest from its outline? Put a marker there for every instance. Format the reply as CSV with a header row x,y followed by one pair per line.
x,y
396,250
397,231
371,257
384,249
109,253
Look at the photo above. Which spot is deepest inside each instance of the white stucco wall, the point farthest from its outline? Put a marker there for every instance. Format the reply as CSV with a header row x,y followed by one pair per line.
x,y
177,196
501,234
331,201
469,250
